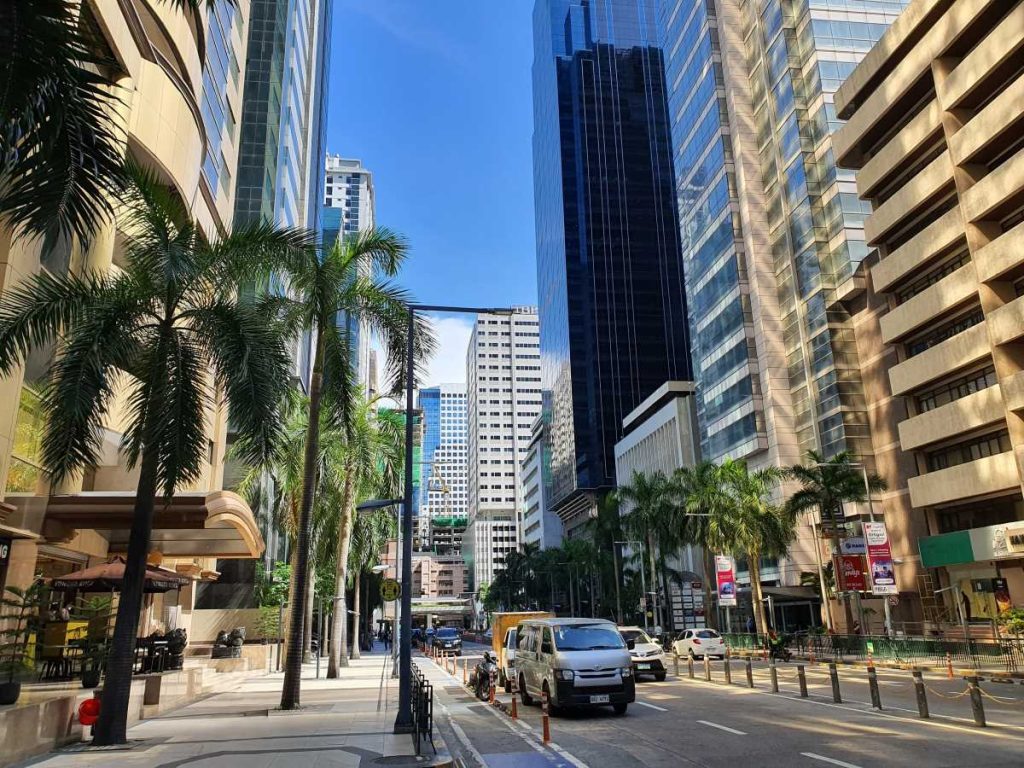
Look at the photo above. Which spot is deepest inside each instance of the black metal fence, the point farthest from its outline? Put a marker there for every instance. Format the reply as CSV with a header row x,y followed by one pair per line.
x,y
1005,653
422,710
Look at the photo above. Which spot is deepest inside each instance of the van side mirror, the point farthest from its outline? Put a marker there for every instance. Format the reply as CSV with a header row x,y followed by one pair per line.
x,y
631,644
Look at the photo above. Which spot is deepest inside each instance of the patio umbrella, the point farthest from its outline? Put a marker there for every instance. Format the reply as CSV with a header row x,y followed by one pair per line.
x,y
108,577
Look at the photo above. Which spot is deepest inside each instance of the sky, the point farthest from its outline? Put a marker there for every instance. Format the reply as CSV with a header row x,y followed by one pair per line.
x,y
434,96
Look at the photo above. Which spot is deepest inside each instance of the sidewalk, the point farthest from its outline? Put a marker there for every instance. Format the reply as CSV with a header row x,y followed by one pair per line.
x,y
344,723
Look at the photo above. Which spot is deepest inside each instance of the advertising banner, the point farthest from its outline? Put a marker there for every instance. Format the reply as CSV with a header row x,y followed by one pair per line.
x,y
851,573
726,575
880,564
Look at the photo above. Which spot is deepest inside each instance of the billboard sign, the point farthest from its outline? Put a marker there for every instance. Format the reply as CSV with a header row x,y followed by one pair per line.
x,y
851,573
880,565
726,575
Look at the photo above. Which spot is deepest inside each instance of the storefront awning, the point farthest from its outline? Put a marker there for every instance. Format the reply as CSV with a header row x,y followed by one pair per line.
x,y
216,524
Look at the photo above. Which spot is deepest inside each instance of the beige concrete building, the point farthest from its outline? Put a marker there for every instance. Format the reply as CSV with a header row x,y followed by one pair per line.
x,y
935,130
185,128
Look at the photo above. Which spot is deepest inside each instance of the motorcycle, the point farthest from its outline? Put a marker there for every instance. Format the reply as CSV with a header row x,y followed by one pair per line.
x,y
778,651
480,680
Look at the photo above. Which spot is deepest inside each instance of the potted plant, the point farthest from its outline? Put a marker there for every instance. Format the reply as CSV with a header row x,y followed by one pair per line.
x,y
19,619
97,611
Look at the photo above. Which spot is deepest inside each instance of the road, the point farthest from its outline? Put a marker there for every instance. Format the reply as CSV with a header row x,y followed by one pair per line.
x,y
695,723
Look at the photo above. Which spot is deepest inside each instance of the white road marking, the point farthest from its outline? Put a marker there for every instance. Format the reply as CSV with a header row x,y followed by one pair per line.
x,y
831,760
722,727
651,706
462,737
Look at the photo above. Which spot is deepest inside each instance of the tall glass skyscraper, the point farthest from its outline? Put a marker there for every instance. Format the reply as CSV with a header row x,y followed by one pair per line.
x,y
609,269
769,224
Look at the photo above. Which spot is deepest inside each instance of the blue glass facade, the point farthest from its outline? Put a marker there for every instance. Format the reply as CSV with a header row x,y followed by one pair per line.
x,y
798,54
221,66
612,308
724,357
430,407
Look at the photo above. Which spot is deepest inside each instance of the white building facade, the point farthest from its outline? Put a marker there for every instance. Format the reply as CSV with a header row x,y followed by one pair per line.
x,y
504,399
661,435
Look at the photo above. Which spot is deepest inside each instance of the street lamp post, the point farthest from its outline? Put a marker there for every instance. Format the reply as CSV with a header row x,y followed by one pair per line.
x,y
643,579
404,720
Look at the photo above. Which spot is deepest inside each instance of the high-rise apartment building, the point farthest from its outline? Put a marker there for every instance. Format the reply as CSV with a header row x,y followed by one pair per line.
x,y
769,224
504,398
443,493
934,127
348,209
609,268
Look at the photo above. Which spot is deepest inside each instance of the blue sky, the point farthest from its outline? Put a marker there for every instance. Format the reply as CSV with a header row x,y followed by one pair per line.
x,y
434,96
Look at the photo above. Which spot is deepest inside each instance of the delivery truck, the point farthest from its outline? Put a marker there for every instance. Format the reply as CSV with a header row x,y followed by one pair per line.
x,y
503,640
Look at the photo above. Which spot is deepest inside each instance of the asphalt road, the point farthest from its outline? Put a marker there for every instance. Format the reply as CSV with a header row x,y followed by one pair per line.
x,y
692,722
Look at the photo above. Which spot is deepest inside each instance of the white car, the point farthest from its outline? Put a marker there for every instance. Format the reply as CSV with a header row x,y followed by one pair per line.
x,y
699,643
647,656
507,668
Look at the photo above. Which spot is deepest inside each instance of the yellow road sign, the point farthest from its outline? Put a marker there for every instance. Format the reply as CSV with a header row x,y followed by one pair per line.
x,y
390,589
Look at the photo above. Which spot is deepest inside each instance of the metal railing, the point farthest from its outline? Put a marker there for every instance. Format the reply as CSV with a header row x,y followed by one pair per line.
x,y
422,710
1006,653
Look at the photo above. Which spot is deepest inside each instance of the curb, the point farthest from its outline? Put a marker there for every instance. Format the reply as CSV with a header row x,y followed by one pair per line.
x,y
995,677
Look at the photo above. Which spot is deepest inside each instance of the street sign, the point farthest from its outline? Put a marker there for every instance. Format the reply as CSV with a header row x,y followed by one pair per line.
x,y
726,578
5,550
390,590
894,600
880,563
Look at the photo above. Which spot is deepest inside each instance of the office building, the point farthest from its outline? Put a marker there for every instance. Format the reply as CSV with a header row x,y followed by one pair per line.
x,y
181,120
504,398
349,209
443,494
541,526
609,267
769,227
661,436
934,126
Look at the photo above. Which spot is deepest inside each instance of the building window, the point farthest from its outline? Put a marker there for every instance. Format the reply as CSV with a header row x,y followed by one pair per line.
x,y
972,450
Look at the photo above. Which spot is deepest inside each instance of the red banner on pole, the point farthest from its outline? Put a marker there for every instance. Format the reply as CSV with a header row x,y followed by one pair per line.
x,y
880,564
851,573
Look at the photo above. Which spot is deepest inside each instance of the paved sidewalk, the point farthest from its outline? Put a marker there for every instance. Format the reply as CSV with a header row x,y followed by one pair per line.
x,y
344,723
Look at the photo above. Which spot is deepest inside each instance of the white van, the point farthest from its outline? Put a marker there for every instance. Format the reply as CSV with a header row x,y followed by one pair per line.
x,y
577,662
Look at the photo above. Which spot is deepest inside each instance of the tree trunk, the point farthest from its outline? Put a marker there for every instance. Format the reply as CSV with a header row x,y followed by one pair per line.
x,y
292,586
356,623
339,628
291,689
112,727
754,567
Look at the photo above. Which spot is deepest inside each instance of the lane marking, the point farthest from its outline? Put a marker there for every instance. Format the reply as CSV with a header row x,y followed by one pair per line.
x,y
725,728
933,723
460,734
650,706
831,760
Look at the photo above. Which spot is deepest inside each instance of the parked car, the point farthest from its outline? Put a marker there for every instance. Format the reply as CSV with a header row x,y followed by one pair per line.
x,y
576,662
647,655
700,643
449,640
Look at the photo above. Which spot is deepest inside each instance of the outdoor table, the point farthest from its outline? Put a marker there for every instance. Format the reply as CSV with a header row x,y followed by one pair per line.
x,y
58,661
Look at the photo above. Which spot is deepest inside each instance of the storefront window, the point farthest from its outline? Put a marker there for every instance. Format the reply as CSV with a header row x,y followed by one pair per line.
x,y
26,459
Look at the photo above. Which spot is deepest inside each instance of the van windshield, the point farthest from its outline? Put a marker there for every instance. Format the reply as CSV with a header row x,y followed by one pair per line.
x,y
587,637
447,633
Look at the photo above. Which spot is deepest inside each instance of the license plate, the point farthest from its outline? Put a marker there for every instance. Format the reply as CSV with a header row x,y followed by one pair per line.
x,y
643,666
600,699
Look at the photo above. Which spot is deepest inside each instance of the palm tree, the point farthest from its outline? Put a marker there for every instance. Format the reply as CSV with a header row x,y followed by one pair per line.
x,y
61,145
349,280
170,326
701,494
651,497
826,485
747,522
372,456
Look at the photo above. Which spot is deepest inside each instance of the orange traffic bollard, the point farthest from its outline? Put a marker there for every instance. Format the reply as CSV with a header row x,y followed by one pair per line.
x,y
490,692
871,659
515,711
465,673
812,655
949,665
544,717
